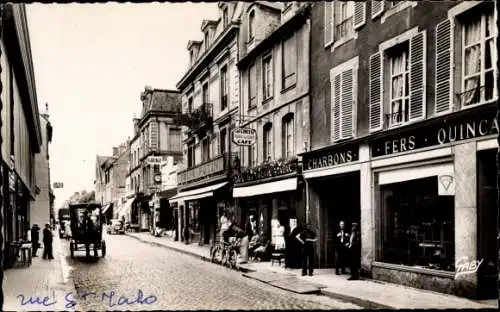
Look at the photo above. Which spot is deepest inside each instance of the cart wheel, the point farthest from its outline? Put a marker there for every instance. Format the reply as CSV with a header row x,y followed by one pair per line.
x,y
103,248
72,250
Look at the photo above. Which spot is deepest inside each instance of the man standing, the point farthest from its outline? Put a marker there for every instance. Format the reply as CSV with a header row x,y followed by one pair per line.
x,y
307,238
35,238
341,243
47,242
355,252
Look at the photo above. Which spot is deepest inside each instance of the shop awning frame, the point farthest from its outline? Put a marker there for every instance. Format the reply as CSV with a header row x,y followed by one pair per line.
x,y
203,192
285,185
415,173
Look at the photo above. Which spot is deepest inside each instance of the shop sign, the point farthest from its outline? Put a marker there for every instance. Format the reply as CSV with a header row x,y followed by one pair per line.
x,y
244,136
331,157
440,133
446,185
205,170
154,160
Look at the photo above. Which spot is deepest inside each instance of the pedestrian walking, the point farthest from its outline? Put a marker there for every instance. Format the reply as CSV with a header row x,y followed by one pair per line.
x,y
307,238
355,252
341,250
35,238
47,242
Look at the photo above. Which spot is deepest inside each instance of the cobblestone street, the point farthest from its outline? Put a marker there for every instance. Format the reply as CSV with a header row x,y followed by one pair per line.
x,y
177,281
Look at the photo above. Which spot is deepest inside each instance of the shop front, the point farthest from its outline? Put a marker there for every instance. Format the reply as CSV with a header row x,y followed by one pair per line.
x,y
434,205
204,195
277,203
333,184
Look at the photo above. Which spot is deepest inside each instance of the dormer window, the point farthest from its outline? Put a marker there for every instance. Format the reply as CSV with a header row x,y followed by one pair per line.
x,y
225,17
251,25
206,40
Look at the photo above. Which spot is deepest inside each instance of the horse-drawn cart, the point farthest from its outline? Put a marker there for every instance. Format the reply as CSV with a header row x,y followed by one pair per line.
x,y
86,228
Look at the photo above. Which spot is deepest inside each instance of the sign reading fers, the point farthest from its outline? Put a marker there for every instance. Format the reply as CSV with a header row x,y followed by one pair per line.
x,y
437,134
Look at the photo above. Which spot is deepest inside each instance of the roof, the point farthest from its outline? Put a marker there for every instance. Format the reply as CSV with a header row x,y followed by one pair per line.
x,y
161,100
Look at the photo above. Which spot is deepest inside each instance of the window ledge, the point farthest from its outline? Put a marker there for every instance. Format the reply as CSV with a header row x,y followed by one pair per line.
x,y
252,107
267,100
470,106
396,9
411,269
288,88
341,42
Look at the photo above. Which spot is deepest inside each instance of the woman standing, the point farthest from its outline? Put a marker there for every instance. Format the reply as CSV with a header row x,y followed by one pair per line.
x,y
355,252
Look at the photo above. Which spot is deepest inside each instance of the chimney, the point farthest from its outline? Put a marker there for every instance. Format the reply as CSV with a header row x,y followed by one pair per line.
x,y
115,151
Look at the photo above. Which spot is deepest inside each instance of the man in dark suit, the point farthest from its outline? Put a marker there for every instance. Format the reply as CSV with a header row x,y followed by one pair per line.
x,y
307,238
47,242
341,243
35,238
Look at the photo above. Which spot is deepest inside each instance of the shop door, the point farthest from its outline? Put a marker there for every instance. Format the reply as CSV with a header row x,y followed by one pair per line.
x,y
487,228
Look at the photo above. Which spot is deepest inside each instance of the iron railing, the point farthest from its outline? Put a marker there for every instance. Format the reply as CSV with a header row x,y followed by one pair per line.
x,y
219,165
268,169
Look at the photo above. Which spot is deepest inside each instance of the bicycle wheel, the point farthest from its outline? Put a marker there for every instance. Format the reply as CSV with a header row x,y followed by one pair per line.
x,y
212,253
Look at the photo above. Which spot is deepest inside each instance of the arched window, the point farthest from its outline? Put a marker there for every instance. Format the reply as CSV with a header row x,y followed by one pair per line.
x,y
287,136
268,142
251,25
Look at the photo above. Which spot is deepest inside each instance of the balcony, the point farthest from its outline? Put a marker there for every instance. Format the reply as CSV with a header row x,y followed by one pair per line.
x,y
199,119
212,168
268,169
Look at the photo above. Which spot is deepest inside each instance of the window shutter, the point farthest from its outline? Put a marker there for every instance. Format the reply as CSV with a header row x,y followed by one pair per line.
x,y
377,8
418,61
375,86
329,22
335,81
359,14
443,67
347,104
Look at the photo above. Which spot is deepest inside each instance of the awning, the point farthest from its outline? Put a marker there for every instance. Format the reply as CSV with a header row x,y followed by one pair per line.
x,y
106,207
126,207
203,192
266,188
168,193
408,174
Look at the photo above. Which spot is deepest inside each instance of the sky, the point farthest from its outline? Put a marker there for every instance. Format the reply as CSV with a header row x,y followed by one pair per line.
x,y
91,63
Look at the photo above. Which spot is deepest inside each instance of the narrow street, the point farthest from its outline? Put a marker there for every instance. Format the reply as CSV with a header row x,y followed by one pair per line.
x,y
175,280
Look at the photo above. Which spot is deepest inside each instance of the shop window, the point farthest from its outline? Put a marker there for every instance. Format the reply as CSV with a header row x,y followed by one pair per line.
x,y
417,225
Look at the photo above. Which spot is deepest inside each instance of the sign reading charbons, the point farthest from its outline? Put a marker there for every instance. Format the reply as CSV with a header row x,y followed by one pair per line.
x,y
244,136
331,157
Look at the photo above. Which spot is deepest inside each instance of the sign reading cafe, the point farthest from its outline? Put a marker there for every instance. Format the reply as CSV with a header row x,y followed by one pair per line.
x,y
331,157
244,136
439,133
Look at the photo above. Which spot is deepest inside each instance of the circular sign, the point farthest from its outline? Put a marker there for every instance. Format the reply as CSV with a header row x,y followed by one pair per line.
x,y
157,178
244,136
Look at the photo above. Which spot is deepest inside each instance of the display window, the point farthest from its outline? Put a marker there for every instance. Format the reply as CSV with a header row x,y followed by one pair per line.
x,y
417,225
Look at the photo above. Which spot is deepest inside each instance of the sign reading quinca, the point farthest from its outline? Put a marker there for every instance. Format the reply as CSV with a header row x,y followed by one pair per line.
x,y
244,136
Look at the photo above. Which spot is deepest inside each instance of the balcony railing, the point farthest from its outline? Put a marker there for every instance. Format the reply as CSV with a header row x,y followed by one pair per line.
x,y
268,169
197,119
396,119
476,95
220,165
344,28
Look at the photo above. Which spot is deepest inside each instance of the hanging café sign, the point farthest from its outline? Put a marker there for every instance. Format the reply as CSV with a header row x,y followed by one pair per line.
x,y
471,126
244,136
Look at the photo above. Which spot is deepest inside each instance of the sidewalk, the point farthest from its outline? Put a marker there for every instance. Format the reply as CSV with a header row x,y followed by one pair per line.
x,y
366,293
43,278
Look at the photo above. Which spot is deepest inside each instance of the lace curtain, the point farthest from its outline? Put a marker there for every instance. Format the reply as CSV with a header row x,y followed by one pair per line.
x,y
472,59
399,67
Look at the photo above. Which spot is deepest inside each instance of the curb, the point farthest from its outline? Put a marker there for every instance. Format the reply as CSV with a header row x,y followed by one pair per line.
x,y
367,304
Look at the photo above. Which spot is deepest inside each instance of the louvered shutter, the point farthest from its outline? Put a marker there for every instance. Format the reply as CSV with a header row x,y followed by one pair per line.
x,y
443,67
377,8
418,61
347,104
329,22
335,81
375,91
359,14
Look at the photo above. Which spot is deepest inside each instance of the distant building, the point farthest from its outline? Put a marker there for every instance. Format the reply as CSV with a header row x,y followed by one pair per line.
x,y
21,134
156,137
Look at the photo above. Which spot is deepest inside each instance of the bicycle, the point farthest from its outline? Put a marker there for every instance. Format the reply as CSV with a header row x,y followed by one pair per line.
x,y
231,251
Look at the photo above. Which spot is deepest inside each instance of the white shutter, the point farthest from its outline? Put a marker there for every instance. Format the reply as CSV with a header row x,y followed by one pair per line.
x,y
359,14
377,8
375,91
443,68
335,82
347,104
329,25
418,61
